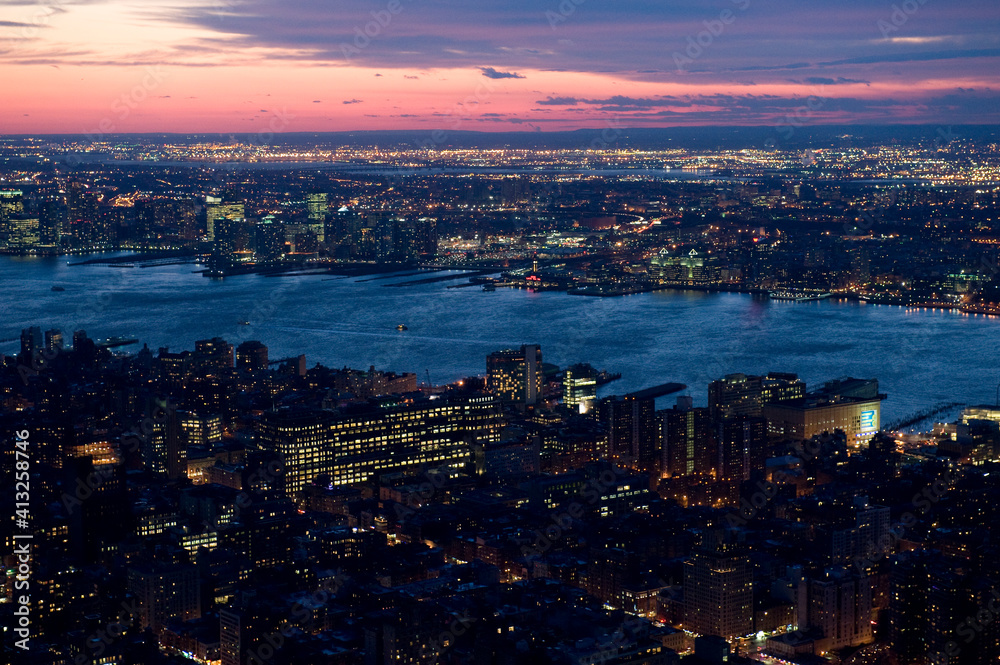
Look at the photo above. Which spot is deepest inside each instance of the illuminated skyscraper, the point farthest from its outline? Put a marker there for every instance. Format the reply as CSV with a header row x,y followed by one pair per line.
x,y
11,203
31,341
316,204
81,215
515,376
21,231
215,209
233,239
580,388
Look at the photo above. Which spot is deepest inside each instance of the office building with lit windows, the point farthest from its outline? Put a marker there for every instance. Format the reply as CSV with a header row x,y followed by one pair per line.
x,y
515,375
580,388
353,447
215,209
251,356
853,406
690,267
746,395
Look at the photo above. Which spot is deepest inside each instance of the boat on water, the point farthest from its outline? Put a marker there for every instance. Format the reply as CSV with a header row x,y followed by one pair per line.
x,y
244,323
401,327
58,288
489,287
798,296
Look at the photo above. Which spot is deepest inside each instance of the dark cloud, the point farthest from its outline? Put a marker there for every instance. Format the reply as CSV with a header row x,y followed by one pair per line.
x,y
491,73
19,24
884,58
558,101
840,80
918,57
639,36
616,102
767,109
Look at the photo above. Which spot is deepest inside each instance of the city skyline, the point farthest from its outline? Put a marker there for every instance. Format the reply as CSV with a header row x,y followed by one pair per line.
x,y
500,332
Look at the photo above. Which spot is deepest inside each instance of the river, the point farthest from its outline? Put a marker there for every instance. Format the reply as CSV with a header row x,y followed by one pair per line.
x,y
921,357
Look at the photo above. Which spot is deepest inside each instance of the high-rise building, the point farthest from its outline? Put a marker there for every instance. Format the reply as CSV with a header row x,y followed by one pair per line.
x,y
269,243
251,356
426,236
744,395
718,587
22,231
634,438
31,341
781,387
162,447
909,611
741,447
839,604
580,388
81,215
515,376
213,355
217,208
316,206
233,239
99,517
200,430
50,222
353,447
688,446
53,340
11,203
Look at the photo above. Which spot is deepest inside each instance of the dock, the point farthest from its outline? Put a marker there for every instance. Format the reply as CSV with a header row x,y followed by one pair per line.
x,y
657,391
114,342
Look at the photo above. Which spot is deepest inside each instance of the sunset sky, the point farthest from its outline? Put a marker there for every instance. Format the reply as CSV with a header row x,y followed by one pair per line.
x,y
73,66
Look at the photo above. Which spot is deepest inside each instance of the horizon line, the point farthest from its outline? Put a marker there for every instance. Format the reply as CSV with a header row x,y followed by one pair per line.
x,y
536,132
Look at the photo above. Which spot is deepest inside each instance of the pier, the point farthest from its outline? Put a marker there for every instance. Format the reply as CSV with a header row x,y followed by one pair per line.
x,y
657,391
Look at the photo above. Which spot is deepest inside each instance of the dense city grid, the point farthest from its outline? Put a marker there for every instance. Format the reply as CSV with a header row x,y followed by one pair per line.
x,y
221,506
